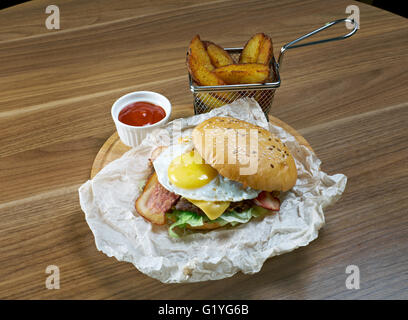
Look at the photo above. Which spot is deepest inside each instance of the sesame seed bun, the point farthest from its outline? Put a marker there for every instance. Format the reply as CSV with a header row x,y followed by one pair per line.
x,y
255,157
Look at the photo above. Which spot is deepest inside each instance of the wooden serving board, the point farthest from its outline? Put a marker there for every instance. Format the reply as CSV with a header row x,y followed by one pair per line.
x,y
113,148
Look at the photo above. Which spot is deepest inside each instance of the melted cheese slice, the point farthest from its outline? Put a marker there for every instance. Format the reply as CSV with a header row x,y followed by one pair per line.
x,y
213,209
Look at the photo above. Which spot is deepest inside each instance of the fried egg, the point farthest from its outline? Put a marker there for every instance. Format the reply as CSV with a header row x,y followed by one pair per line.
x,y
180,169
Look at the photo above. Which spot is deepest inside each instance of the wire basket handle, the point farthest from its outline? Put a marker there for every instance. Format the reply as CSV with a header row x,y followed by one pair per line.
x,y
293,44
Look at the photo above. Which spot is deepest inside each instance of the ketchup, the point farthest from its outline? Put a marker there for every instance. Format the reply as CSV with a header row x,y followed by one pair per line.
x,y
141,113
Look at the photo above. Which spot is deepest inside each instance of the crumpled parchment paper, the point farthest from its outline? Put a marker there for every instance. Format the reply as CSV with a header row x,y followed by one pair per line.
x,y
108,203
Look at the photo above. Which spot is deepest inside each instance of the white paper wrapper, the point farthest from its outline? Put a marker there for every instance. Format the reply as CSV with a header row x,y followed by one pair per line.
x,y
108,202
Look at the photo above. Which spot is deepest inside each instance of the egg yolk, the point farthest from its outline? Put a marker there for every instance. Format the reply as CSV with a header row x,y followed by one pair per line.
x,y
188,171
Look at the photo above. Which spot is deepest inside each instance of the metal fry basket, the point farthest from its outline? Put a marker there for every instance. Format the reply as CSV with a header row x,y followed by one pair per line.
x,y
207,98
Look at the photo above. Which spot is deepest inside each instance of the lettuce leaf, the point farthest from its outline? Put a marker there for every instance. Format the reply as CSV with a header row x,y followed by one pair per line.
x,y
183,218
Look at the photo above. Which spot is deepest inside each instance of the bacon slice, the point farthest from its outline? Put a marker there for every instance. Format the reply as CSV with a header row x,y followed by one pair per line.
x,y
266,200
154,201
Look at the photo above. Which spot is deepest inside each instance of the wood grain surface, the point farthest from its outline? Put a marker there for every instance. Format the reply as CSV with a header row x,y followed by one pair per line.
x,y
349,99
113,148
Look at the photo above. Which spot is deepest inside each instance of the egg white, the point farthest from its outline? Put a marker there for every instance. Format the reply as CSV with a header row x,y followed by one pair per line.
x,y
218,189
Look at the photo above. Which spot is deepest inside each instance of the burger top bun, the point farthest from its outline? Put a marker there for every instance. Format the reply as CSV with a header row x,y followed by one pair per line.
x,y
246,153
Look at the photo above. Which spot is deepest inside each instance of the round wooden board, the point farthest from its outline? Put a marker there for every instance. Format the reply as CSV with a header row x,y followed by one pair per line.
x,y
113,148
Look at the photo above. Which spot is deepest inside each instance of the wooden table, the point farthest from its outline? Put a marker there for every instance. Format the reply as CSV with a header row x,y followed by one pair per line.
x,y
349,99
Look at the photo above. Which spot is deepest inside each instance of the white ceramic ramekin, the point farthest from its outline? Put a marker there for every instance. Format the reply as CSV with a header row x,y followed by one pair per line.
x,y
131,135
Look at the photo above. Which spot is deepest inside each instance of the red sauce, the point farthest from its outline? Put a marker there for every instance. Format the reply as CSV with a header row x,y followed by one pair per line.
x,y
141,113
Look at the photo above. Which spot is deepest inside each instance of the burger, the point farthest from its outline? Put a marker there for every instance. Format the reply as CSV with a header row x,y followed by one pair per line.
x,y
223,174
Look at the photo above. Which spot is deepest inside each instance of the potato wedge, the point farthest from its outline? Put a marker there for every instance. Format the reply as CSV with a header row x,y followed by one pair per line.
x,y
210,101
204,77
201,74
197,50
251,50
225,96
265,51
218,56
243,73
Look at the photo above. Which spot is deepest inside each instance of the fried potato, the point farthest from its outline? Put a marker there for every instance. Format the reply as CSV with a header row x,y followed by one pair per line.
x,y
265,51
201,74
251,50
210,100
243,73
197,50
218,56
